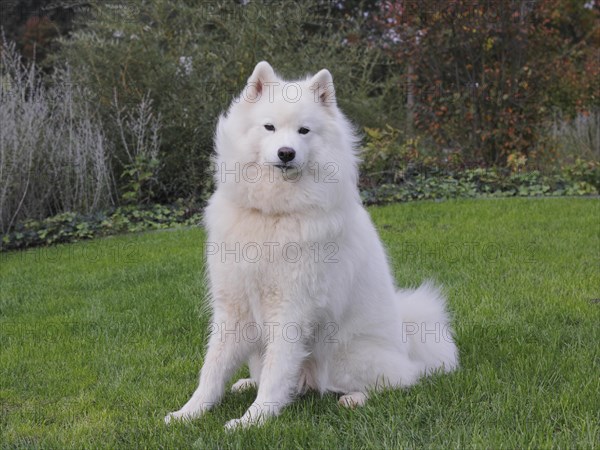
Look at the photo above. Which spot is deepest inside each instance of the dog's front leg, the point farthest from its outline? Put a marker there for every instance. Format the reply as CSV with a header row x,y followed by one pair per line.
x,y
224,355
283,359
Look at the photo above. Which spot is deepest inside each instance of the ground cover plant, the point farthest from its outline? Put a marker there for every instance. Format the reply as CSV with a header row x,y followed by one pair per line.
x,y
100,339
400,184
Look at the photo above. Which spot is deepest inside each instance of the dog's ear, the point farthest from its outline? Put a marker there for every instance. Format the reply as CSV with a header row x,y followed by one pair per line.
x,y
322,86
263,73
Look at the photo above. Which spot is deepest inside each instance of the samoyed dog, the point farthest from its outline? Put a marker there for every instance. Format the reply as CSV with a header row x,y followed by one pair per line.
x,y
300,285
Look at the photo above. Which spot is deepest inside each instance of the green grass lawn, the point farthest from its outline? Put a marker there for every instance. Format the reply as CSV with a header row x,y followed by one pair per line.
x,y
99,340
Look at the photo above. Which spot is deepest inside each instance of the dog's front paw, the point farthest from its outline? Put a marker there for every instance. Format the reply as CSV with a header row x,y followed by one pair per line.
x,y
179,416
172,416
233,424
247,420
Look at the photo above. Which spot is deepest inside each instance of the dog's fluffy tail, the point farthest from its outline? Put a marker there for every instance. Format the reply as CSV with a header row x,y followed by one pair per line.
x,y
426,328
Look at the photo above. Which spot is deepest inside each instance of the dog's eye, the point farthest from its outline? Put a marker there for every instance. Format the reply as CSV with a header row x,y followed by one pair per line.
x,y
269,127
303,130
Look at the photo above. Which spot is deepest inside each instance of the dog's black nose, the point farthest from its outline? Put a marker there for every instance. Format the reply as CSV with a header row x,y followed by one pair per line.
x,y
286,154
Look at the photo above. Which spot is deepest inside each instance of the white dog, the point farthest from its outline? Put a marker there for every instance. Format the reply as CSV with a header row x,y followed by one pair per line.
x,y
300,286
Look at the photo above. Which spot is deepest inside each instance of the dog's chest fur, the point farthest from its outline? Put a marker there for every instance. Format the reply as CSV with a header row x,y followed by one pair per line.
x,y
268,259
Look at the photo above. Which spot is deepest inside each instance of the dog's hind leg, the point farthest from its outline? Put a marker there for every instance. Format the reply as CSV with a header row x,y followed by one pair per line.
x,y
353,399
369,368
243,384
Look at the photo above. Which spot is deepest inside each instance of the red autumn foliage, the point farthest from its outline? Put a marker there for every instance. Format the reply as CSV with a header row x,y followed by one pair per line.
x,y
37,35
483,75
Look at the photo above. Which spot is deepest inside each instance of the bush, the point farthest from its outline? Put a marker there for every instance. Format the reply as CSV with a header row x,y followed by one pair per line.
x,y
74,227
138,130
578,138
481,77
193,57
473,183
387,156
54,155
395,168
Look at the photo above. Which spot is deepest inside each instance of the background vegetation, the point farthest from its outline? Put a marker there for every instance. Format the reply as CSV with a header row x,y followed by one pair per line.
x,y
107,105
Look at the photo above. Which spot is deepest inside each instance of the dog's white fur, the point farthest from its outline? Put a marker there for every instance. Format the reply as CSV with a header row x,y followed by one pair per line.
x,y
326,312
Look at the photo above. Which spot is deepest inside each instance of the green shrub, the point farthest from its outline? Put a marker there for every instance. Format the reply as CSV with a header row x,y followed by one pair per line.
x,y
585,171
481,182
384,156
193,57
139,132
396,169
73,227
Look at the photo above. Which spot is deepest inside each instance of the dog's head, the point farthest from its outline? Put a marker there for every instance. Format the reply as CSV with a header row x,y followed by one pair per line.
x,y
282,142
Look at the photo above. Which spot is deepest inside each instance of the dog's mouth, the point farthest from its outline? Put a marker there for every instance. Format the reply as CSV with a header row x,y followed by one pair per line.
x,y
284,167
